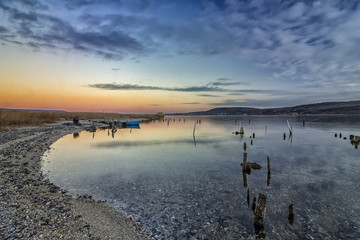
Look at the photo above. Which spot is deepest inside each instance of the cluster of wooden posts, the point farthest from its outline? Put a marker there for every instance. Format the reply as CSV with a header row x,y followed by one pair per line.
x,y
354,140
259,203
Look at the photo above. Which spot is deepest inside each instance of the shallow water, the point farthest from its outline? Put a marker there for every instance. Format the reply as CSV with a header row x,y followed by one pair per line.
x,y
184,185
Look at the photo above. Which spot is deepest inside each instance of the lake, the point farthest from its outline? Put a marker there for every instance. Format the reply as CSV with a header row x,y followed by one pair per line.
x,y
185,183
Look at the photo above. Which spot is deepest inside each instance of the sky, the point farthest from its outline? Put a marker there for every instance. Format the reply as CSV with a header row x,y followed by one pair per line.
x,y
149,56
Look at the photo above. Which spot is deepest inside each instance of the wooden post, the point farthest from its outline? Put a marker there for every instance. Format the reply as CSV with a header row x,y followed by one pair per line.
x,y
269,172
291,213
253,204
259,215
244,178
244,160
260,210
241,129
248,197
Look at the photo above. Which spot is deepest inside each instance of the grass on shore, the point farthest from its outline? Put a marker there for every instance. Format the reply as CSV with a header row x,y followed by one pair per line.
x,y
10,119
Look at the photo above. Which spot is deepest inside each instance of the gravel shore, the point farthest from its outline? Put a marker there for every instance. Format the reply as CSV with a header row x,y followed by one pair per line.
x,y
33,208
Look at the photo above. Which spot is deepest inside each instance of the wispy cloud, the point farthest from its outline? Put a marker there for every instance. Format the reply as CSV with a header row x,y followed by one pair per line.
x,y
308,44
206,88
43,30
227,82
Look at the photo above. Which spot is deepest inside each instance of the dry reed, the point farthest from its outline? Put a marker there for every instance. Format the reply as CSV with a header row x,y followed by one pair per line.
x,y
28,118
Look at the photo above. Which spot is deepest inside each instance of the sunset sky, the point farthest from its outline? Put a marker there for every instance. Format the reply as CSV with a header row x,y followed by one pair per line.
x,y
177,56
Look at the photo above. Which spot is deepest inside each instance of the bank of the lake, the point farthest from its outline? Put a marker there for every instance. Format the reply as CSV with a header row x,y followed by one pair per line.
x,y
33,208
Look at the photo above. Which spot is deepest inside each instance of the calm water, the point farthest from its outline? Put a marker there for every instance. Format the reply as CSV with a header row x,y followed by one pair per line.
x,y
178,185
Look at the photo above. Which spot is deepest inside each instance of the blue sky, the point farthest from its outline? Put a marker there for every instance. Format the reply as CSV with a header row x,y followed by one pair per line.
x,y
193,55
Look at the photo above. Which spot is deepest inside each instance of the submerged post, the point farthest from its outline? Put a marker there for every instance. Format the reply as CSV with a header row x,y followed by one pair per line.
x,y
244,169
248,197
253,204
260,210
290,128
291,213
241,129
259,215
268,173
194,129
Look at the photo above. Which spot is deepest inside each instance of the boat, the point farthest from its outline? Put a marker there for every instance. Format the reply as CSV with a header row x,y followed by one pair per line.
x,y
133,123
130,124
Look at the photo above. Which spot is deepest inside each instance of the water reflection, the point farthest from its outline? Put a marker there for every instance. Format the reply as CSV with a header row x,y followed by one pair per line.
x,y
180,191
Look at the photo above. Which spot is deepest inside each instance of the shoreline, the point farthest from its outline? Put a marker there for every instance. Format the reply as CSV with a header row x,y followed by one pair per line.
x,y
31,207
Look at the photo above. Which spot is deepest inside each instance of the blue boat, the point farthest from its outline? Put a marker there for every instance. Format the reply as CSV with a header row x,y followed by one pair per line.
x,y
131,124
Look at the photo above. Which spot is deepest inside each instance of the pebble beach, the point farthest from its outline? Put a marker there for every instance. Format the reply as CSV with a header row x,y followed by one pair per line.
x,y
33,208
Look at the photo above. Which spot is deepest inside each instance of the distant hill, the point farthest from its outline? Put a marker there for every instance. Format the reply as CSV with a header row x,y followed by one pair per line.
x,y
351,107
31,110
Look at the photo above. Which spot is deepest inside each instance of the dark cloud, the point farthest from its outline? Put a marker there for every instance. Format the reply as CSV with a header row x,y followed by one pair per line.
x,y
227,82
131,87
191,103
23,16
43,30
207,95
74,4
111,86
3,30
308,41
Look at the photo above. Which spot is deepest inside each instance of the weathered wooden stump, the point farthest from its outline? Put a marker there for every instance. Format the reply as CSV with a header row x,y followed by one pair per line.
x,y
291,213
242,130
253,204
248,197
260,210
244,178
268,179
244,159
259,215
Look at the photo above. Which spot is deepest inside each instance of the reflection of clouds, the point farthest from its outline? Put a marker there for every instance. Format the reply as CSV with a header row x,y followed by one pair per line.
x,y
152,142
